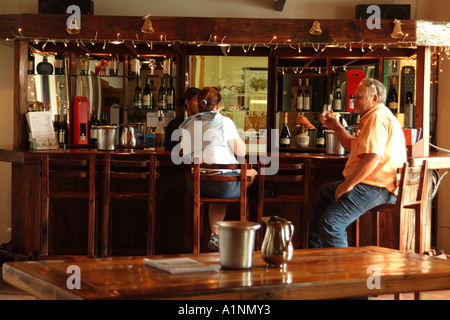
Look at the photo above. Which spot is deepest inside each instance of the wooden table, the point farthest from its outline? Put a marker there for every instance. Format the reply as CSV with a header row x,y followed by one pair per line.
x,y
312,274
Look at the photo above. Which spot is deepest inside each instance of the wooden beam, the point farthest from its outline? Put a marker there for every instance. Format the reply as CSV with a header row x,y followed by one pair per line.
x,y
188,29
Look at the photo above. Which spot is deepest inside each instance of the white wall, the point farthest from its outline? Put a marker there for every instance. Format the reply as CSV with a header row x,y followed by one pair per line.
x,y
294,9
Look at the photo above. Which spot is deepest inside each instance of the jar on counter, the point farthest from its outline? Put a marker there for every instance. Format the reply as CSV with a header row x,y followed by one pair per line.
x,y
301,136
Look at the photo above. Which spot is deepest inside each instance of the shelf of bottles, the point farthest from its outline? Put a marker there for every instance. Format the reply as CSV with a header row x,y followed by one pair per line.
x,y
302,96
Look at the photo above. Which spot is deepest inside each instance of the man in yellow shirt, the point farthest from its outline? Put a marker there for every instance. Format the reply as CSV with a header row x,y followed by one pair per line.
x,y
369,173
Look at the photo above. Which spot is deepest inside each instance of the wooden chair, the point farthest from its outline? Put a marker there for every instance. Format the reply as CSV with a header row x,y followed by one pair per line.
x,y
119,169
294,176
197,174
67,178
411,193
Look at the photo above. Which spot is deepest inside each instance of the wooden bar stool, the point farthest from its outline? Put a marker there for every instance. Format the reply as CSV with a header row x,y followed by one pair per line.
x,y
410,195
198,174
291,176
117,170
67,178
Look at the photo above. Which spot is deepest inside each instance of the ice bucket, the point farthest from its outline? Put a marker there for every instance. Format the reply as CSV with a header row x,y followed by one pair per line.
x,y
106,137
236,243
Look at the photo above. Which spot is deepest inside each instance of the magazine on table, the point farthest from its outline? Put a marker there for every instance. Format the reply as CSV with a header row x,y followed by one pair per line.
x,y
180,265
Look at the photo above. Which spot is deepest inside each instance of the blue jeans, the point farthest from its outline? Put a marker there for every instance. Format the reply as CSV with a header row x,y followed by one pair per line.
x,y
330,219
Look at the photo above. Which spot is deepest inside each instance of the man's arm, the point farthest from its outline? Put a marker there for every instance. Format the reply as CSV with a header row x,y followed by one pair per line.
x,y
367,164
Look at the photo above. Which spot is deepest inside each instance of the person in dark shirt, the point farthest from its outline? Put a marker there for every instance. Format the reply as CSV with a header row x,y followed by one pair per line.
x,y
188,103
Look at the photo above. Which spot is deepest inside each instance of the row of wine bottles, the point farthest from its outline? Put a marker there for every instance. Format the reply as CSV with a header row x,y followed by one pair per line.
x,y
143,99
285,136
303,97
93,122
61,129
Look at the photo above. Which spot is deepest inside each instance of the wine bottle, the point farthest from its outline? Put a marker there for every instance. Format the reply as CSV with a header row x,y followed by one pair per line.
x,y
285,136
93,123
307,97
337,99
392,97
160,133
103,121
167,64
170,95
409,111
137,100
113,66
84,65
59,64
135,68
299,101
30,64
162,96
65,126
147,96
320,136
56,126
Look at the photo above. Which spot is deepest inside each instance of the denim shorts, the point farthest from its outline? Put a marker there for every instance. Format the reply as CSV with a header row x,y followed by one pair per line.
x,y
218,189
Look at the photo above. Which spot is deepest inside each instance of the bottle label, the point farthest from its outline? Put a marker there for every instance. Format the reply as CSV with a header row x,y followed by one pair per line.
x,y
286,141
393,106
300,103
320,141
169,99
337,105
304,140
146,100
306,103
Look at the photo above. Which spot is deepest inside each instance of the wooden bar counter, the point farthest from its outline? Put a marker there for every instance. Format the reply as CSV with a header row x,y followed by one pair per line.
x,y
330,273
173,207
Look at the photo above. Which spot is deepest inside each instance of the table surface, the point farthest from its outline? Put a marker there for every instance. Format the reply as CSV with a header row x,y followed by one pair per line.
x,y
311,274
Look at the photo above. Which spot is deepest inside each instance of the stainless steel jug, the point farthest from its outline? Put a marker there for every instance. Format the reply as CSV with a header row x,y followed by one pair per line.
x,y
277,248
128,137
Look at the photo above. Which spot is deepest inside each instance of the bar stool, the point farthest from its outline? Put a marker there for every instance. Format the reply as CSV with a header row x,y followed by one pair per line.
x,y
198,174
411,194
121,168
67,178
291,176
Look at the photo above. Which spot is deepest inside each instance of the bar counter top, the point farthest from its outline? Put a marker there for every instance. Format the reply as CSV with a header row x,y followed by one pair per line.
x,y
21,156
436,160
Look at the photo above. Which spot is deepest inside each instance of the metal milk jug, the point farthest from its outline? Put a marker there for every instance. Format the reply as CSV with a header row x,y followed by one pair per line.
x,y
277,248
128,137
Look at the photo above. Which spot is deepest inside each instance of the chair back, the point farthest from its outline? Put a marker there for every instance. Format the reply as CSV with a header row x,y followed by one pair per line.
x,y
129,177
211,172
291,184
67,178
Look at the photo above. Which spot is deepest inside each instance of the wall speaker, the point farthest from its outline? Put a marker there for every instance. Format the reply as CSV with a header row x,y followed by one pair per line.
x,y
60,6
388,11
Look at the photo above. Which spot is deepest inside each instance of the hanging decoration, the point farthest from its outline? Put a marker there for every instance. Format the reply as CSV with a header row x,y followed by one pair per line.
x,y
397,33
73,27
315,29
147,27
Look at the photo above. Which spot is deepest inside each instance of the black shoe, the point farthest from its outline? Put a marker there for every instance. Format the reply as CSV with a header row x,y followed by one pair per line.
x,y
213,244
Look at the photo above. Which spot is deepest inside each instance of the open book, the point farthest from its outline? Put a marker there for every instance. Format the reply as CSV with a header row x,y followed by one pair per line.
x,y
180,265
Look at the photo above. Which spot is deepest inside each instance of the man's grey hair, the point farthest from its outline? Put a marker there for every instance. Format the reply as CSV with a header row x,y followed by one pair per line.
x,y
373,86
